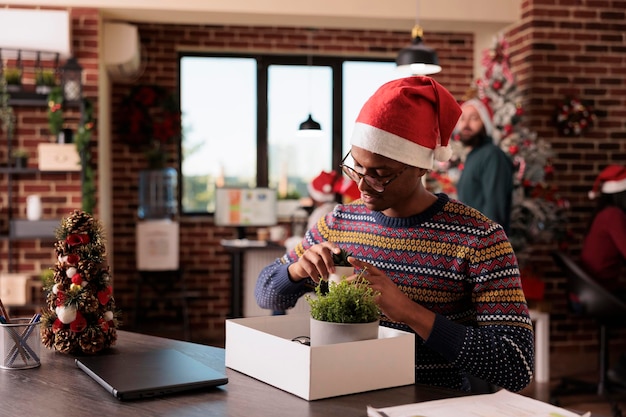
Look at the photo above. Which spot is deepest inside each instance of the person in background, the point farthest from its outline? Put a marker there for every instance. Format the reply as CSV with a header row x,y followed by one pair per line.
x,y
443,270
603,253
323,190
486,181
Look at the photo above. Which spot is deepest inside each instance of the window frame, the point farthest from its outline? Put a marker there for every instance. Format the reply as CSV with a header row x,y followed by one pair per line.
x,y
263,63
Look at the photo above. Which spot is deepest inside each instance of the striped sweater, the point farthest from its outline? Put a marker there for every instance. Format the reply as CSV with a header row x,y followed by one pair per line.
x,y
452,260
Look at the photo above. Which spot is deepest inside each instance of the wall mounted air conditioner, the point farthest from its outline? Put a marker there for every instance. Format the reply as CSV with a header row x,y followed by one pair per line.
x,y
122,50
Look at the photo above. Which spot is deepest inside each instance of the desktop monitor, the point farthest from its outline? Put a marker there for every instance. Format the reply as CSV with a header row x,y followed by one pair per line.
x,y
245,207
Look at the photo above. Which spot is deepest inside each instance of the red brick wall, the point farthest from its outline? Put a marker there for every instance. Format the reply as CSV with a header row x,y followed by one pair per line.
x,y
573,48
60,192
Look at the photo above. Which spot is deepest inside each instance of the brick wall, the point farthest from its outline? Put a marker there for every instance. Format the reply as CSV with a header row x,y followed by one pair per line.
x,y
60,192
573,48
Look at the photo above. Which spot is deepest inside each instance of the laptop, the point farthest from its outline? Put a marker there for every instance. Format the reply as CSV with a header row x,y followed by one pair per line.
x,y
131,376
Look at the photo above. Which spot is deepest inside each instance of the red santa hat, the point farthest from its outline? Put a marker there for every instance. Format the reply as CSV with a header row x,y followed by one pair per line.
x,y
324,186
611,180
350,190
409,120
484,111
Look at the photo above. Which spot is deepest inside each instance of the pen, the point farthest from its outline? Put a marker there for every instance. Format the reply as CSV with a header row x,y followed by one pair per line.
x,y
4,313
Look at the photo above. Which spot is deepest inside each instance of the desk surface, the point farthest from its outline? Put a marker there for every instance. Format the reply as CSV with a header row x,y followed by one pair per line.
x,y
59,388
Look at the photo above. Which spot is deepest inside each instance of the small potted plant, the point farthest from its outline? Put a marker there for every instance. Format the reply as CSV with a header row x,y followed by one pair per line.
x,y
342,266
45,79
13,77
347,312
20,158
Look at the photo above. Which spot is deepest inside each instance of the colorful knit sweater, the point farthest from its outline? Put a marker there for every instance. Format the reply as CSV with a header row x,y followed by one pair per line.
x,y
452,260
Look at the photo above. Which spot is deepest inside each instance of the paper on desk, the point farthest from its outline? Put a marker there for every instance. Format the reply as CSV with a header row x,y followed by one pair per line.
x,y
500,404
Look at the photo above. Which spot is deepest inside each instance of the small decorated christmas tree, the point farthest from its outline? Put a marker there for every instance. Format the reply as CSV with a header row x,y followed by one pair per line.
x,y
80,316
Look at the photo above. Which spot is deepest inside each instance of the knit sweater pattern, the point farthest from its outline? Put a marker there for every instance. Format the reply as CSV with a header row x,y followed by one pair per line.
x,y
452,260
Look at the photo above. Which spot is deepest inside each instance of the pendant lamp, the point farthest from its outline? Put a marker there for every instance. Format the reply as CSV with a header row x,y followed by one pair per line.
x,y
309,127
417,58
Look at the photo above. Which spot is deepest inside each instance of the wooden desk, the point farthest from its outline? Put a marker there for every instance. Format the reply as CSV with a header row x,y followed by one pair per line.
x,y
59,388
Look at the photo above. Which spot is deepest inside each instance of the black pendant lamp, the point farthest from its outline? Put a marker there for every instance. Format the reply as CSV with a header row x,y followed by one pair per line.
x,y
309,127
310,124
417,58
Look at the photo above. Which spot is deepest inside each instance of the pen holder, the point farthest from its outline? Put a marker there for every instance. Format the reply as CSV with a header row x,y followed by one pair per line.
x,y
20,344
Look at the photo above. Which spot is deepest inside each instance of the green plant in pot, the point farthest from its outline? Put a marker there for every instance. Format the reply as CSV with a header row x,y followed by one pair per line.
x,y
45,79
346,312
13,78
342,266
20,157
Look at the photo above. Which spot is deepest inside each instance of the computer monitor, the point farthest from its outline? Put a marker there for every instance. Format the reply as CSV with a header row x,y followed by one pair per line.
x,y
245,207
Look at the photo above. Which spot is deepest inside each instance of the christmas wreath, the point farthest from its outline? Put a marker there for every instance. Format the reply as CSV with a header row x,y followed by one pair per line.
x,y
150,118
573,117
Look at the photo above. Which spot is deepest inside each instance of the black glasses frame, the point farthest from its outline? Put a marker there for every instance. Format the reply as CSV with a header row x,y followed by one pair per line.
x,y
377,184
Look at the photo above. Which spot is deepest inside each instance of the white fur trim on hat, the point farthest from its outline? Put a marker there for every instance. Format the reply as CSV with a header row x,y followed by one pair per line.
x,y
483,112
612,187
392,146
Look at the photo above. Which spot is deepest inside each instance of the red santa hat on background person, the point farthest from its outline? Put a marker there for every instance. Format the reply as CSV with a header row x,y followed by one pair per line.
x,y
323,187
409,120
611,180
350,191
484,111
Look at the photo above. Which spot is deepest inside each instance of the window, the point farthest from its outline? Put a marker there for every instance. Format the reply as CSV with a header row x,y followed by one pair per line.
x,y
241,115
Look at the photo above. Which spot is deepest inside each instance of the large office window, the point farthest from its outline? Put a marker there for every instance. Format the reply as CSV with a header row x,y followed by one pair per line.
x,y
241,115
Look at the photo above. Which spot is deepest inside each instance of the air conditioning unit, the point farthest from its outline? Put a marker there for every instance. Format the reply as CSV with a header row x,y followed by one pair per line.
x,y
122,51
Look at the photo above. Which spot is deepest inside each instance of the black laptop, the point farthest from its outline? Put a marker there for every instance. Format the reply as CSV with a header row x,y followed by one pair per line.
x,y
132,376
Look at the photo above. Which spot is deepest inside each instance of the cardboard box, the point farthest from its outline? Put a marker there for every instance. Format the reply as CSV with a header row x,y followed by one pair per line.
x,y
261,347
15,289
58,157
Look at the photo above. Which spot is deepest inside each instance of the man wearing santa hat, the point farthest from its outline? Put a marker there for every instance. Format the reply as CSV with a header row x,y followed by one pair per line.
x,y
443,270
486,181
323,190
604,247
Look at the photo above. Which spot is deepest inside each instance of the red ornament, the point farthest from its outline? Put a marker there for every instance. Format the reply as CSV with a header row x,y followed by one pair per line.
x,y
105,295
77,279
513,149
79,324
73,259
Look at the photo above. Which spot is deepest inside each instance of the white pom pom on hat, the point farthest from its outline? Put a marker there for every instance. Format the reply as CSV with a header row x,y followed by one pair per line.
x,y
409,120
611,180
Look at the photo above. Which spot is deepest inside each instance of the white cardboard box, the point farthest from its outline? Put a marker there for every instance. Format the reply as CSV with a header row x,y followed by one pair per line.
x,y
261,347
58,157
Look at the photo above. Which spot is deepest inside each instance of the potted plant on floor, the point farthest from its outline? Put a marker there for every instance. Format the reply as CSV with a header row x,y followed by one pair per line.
x,y
346,312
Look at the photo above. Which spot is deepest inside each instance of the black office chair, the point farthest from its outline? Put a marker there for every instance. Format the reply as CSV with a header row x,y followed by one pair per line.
x,y
587,298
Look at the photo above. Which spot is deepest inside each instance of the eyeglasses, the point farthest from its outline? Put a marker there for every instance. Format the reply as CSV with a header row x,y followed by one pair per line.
x,y
377,184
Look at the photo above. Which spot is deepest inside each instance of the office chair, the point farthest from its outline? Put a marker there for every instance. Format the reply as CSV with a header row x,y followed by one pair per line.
x,y
586,298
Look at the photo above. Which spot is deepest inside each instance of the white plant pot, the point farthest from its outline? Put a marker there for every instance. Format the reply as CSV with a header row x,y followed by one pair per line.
x,y
340,272
327,333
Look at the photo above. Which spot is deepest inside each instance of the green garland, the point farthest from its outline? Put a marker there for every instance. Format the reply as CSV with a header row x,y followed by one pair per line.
x,y
55,111
83,139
